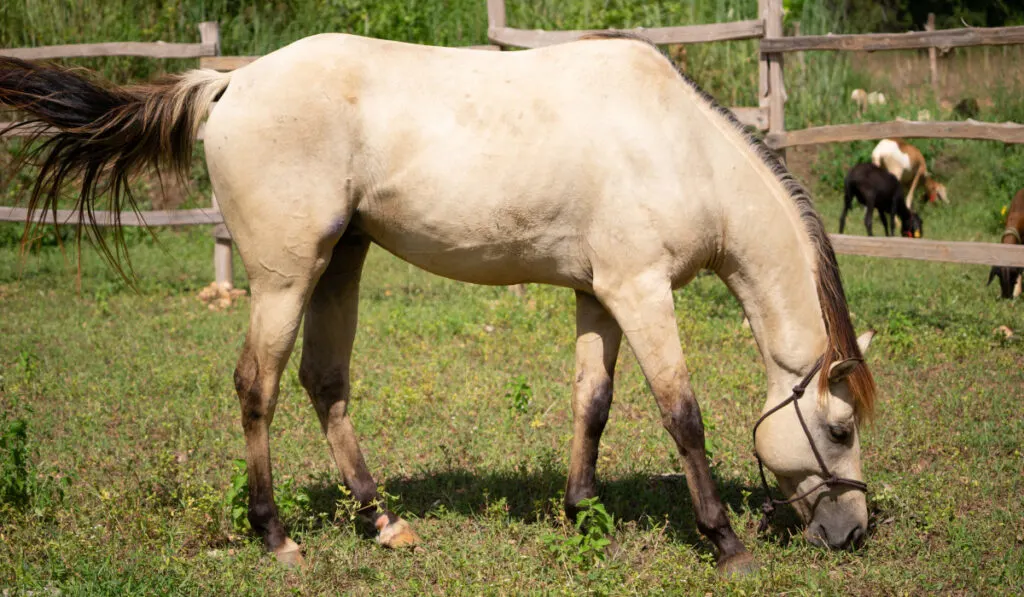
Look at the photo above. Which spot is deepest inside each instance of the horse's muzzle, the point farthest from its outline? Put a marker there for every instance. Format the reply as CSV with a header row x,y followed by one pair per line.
x,y
851,538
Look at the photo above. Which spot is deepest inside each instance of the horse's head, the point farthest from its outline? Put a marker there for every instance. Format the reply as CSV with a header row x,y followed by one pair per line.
x,y
836,514
913,227
1008,279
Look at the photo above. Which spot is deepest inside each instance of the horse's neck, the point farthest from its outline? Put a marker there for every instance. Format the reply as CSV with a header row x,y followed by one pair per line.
x,y
771,266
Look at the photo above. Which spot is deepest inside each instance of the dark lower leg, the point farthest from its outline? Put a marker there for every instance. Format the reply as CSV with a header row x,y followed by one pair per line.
x,y
597,346
683,421
257,412
330,399
590,414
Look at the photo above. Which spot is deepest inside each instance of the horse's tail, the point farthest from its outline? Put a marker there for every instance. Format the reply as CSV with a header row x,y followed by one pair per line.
x,y
104,134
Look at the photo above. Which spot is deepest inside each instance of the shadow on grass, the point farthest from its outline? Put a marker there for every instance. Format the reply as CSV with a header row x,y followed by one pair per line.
x,y
536,497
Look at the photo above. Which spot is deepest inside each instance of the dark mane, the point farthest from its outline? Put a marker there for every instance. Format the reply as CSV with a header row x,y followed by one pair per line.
x,y
842,340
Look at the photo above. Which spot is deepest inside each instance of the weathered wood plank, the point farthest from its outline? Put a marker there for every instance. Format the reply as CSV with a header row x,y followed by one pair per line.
x,y
226,63
24,131
229,63
30,130
1007,132
943,39
157,49
181,217
495,14
691,34
929,250
776,83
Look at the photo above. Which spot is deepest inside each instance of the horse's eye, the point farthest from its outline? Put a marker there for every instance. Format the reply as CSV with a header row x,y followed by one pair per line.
x,y
839,433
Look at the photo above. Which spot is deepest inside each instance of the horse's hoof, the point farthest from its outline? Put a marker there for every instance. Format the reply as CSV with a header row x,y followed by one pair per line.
x,y
397,534
290,555
738,566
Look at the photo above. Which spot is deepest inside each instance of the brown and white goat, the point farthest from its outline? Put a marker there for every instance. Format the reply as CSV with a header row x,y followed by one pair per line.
x,y
905,162
1010,278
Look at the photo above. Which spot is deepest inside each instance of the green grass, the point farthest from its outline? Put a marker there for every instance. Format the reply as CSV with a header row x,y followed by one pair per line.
x,y
122,426
133,412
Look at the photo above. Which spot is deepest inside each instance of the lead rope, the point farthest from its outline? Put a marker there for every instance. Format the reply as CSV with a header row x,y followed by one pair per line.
x,y
768,507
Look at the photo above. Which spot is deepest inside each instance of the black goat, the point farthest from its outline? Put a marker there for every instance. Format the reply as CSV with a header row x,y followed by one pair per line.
x,y
875,188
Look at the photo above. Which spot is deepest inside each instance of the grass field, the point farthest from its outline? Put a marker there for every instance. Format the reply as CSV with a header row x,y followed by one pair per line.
x,y
132,427
119,426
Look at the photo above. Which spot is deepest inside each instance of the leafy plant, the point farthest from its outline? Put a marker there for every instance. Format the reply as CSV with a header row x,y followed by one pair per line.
x,y
587,546
237,497
292,502
21,485
519,394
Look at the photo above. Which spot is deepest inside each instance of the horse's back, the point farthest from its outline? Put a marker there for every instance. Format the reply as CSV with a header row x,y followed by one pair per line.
x,y
482,166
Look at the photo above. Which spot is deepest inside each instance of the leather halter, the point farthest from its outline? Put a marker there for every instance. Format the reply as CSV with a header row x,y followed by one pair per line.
x,y
831,479
1012,232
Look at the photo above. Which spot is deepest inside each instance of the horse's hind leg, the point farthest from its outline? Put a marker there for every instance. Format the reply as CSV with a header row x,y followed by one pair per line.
x,y
643,307
277,304
597,345
328,334
284,256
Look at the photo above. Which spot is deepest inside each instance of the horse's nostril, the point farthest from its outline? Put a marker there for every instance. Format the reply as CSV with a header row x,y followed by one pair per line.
x,y
855,538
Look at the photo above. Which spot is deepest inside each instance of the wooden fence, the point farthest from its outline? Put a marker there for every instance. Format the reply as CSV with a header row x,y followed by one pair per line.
x,y
768,115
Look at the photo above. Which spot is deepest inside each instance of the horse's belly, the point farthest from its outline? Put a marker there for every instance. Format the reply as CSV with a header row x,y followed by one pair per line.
x,y
470,255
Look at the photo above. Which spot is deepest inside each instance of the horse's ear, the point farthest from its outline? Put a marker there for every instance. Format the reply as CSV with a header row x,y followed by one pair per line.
x,y
864,341
838,371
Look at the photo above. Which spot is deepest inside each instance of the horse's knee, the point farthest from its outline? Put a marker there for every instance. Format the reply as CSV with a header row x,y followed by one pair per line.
x,y
593,403
249,388
683,421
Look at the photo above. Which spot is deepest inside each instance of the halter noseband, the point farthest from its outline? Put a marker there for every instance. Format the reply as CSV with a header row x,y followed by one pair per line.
x,y
1012,232
831,479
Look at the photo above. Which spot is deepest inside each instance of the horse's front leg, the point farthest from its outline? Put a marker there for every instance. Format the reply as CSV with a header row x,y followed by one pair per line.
x,y
328,334
643,307
597,345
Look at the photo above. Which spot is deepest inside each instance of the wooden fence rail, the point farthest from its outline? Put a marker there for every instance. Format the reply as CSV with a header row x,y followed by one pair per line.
x,y
690,34
1007,132
157,49
943,39
176,217
929,250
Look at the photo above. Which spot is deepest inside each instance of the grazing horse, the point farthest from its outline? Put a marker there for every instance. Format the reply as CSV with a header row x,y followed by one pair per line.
x,y
1011,278
907,164
875,188
592,165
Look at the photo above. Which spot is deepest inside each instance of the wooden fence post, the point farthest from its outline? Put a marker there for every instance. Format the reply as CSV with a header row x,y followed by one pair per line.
x,y
223,269
770,83
932,62
496,14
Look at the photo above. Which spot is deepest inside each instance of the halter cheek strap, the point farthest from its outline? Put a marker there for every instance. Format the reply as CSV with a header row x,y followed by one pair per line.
x,y
830,478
